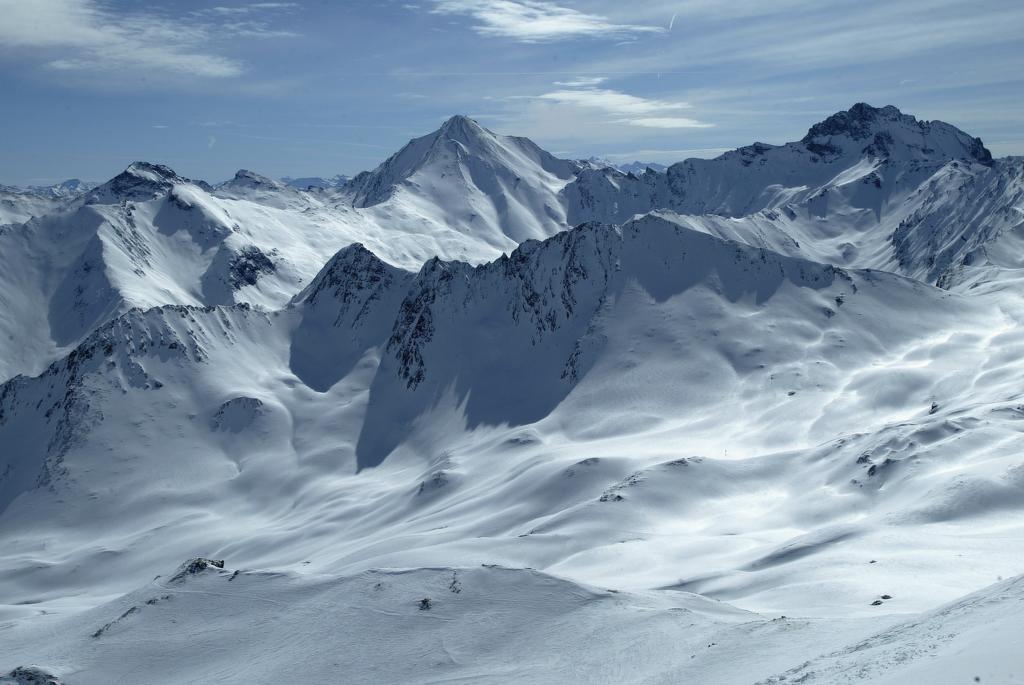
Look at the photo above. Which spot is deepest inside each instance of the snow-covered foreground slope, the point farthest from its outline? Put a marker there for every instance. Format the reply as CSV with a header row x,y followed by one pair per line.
x,y
489,624
649,408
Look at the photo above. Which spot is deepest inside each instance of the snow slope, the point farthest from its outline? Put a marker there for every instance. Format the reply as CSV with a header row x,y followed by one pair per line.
x,y
492,624
502,190
866,188
617,453
147,237
559,409
18,205
150,237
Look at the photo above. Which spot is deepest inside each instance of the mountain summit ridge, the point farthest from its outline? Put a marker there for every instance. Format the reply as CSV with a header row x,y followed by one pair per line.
x,y
888,128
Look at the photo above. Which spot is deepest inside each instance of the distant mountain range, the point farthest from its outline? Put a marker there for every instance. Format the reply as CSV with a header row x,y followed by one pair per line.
x,y
627,168
315,181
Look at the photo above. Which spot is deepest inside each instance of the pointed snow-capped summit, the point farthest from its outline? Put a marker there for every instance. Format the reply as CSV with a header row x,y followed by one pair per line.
x,y
248,185
245,179
147,171
887,132
462,128
140,181
459,138
463,179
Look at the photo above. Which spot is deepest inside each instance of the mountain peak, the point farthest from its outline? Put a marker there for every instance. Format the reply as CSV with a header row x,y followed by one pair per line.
x,y
887,132
150,171
457,121
441,153
349,269
250,179
139,181
856,122
463,130
72,186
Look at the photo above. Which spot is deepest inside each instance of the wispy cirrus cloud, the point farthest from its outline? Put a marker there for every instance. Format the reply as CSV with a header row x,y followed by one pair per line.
x,y
582,82
84,35
533,21
625,108
250,8
665,156
249,20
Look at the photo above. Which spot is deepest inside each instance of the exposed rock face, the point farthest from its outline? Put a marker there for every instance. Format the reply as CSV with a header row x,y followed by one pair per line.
x,y
249,265
139,182
886,127
196,566
33,675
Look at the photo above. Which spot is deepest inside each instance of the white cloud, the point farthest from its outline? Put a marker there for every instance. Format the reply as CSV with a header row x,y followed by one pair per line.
x,y
582,82
668,122
534,21
626,108
665,156
86,35
248,21
250,8
763,39
612,101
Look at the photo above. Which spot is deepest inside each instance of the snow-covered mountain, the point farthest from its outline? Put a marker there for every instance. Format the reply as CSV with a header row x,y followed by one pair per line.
x,y
864,144
70,188
150,237
869,187
305,182
18,205
593,322
145,238
634,167
757,422
640,167
466,179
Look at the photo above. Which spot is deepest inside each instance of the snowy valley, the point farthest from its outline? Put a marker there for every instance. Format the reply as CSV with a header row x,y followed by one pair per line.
x,y
485,414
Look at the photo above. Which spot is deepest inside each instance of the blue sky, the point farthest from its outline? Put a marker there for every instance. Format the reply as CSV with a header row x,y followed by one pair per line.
x,y
322,87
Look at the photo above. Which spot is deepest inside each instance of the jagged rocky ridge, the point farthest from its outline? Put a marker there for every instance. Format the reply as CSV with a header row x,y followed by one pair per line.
x,y
509,339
